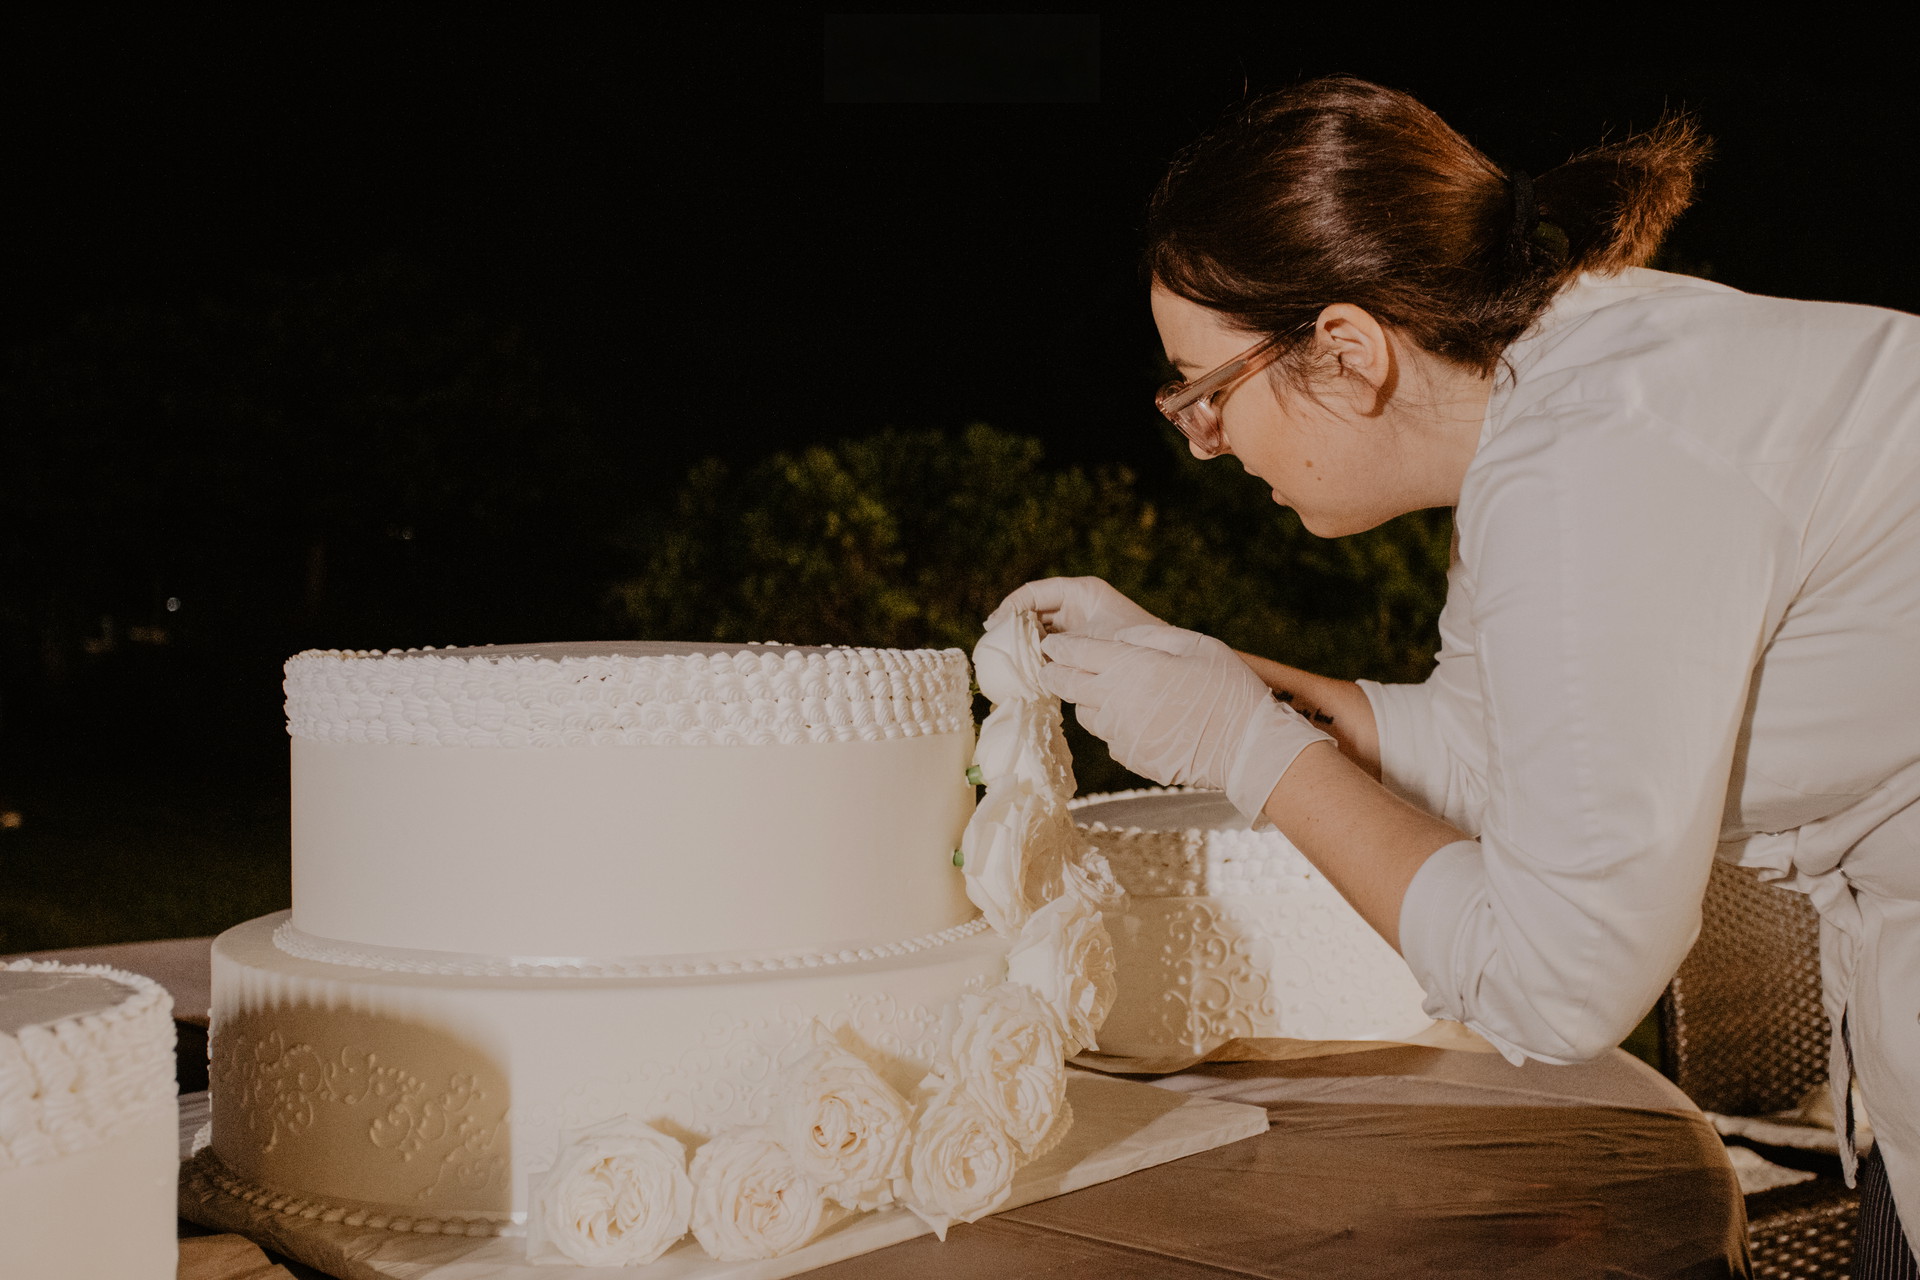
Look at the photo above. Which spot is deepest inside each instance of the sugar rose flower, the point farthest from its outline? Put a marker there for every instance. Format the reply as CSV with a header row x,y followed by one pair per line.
x,y
1050,847
1066,957
1006,661
750,1199
616,1196
962,1164
1007,1052
845,1127
994,855
1088,876
1014,749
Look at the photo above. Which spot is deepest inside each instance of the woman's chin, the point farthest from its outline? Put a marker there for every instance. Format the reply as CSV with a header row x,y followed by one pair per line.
x,y
1322,524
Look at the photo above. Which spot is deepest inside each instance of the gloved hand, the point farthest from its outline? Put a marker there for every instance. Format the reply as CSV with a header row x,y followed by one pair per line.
x,y
1180,708
1088,606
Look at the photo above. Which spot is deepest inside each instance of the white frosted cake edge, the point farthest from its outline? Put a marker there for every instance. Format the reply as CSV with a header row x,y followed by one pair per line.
x,y
755,696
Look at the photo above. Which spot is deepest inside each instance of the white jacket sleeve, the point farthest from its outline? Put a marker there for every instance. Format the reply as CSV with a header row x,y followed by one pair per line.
x,y
1432,735
1623,588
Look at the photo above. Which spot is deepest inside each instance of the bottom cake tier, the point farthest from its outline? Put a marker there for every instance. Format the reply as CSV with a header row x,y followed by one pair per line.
x,y
434,1101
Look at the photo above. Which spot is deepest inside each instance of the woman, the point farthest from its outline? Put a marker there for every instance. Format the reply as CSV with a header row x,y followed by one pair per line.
x,y
1684,607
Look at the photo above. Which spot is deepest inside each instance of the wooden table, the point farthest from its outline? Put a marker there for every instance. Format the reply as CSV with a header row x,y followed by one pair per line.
x,y
1395,1162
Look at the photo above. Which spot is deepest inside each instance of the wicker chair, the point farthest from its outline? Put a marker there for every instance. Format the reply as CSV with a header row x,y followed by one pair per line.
x,y
1743,1032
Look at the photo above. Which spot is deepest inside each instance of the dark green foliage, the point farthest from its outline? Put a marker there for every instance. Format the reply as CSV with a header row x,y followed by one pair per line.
x,y
908,539
162,854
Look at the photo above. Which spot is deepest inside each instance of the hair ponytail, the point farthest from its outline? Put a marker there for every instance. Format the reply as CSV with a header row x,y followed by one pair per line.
x,y
1339,190
1615,202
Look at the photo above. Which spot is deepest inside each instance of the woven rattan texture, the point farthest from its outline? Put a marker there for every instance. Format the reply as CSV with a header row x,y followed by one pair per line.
x,y
1742,1028
1808,1240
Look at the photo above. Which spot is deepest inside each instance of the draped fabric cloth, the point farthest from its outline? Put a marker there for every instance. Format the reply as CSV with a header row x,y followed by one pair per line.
x,y
1683,617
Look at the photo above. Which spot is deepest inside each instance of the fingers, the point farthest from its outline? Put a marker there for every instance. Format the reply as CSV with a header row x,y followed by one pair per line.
x,y
1068,604
1044,596
1073,684
1094,721
1085,652
1175,640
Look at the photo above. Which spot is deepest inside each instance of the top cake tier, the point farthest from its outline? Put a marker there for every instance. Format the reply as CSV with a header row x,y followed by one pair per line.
x,y
603,804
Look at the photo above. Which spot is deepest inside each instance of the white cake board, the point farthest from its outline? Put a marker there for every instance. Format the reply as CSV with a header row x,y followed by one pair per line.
x,y
1118,1126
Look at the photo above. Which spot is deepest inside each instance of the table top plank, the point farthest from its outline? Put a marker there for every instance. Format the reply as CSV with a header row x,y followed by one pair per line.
x,y
1336,1190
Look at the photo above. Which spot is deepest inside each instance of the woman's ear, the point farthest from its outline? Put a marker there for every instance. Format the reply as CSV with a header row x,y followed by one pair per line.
x,y
1357,343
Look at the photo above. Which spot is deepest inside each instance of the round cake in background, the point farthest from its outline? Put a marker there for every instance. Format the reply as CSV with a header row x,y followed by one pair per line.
x,y
1231,941
89,1130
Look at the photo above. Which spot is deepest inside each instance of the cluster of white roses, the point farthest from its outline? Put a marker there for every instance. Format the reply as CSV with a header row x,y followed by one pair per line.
x,y
843,1140
1027,869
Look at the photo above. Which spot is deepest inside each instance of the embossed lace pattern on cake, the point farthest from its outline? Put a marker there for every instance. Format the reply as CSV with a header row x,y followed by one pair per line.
x,y
754,697
283,1088
1194,862
1233,936
306,946
447,1129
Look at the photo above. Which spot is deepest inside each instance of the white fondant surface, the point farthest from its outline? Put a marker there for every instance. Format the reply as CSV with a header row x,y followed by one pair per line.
x,y
1230,936
629,850
106,1213
407,1097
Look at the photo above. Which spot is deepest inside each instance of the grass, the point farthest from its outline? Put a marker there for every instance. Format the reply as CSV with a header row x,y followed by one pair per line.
x,y
104,859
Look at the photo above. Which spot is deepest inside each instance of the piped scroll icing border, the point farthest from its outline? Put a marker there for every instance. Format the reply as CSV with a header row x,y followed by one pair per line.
x,y
76,1084
307,946
754,697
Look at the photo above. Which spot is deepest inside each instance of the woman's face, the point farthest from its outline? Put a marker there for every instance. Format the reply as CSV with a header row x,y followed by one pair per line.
x,y
1336,459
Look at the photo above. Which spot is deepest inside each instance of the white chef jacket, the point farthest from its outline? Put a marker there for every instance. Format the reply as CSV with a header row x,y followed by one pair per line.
x,y
1683,614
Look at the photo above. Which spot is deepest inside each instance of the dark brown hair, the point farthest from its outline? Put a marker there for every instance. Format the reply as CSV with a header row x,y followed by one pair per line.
x,y
1338,190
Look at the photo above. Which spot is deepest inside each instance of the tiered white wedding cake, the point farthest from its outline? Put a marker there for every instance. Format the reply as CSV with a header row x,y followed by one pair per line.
x,y
1231,945
611,943
89,1134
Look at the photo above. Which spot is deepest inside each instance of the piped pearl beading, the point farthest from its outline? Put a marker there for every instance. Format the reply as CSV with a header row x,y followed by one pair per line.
x,y
760,696
306,946
205,1167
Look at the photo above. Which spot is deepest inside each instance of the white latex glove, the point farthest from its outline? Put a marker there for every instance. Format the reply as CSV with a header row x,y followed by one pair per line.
x,y
1089,606
1180,708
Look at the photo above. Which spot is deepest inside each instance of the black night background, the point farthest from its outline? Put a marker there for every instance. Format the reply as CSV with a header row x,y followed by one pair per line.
x,y
371,332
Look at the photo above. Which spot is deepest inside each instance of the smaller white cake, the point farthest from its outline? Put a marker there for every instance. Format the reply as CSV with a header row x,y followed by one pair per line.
x,y
89,1145
1231,941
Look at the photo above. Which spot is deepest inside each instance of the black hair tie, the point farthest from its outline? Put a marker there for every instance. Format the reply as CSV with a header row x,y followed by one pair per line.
x,y
1526,212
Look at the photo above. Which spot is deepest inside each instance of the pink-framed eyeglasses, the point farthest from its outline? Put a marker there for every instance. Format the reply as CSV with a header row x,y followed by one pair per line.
x,y
1189,405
